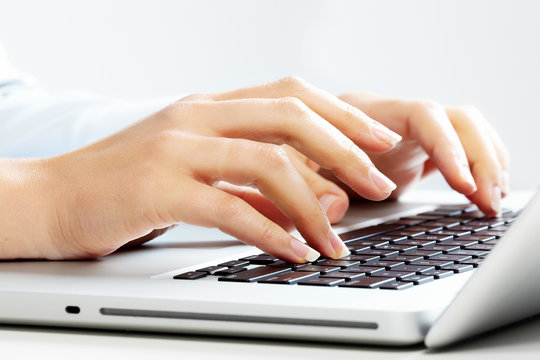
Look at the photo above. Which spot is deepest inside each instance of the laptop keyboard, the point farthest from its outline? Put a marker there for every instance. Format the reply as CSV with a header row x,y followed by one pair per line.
x,y
396,255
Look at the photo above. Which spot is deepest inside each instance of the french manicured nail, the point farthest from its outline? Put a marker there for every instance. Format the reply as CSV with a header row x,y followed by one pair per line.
x,y
340,250
327,200
382,183
385,135
303,251
496,199
467,176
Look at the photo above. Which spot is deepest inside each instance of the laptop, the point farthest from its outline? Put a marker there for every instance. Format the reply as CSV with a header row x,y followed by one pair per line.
x,y
428,268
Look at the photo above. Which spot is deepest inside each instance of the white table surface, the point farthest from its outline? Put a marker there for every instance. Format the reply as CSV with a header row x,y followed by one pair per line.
x,y
520,341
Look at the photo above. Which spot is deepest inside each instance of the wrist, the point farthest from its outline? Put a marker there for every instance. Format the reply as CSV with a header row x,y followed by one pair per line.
x,y
27,210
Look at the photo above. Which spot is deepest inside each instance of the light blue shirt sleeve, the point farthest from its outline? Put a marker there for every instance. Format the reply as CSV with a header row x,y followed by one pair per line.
x,y
34,123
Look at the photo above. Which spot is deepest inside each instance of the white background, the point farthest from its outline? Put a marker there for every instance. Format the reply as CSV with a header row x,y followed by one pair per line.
x,y
485,53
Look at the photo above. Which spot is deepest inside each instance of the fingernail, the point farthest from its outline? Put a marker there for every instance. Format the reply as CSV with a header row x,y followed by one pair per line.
x,y
327,200
383,183
340,250
303,251
496,200
385,135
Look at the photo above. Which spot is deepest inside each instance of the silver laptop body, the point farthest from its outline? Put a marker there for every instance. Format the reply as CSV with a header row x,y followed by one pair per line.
x,y
133,289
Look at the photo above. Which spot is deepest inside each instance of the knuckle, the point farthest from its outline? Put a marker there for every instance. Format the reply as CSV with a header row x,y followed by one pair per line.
x,y
293,83
267,233
161,144
426,105
273,157
292,106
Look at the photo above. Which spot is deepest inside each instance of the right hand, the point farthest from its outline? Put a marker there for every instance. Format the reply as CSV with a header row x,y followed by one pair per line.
x,y
177,166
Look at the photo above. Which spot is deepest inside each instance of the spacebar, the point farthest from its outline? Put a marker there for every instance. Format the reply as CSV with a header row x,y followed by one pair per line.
x,y
255,274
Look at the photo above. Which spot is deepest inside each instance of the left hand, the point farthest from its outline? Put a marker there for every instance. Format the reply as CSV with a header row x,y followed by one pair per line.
x,y
457,141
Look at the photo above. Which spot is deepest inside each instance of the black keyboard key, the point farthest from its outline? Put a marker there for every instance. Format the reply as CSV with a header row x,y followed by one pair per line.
x,y
285,264
190,275
319,268
367,282
322,281
452,257
425,228
473,253
261,259
235,263
410,222
500,228
397,247
419,243
229,271
493,222
440,274
397,285
471,228
291,277
211,270
388,238
369,231
451,233
419,279
418,269
425,253
381,253
387,264
478,238
406,233
433,237
361,258
356,249
394,274
404,258
365,269
459,268
368,242
441,247
341,263
437,263
481,247
474,262
444,223
343,275
497,234
460,243
254,274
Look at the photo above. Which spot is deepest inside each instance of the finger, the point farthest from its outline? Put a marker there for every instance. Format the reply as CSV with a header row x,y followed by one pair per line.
x,y
332,198
428,124
364,131
290,121
259,202
500,149
266,166
212,207
482,156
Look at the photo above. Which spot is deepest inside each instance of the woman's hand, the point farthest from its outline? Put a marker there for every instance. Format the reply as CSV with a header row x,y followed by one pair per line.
x,y
190,163
454,140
